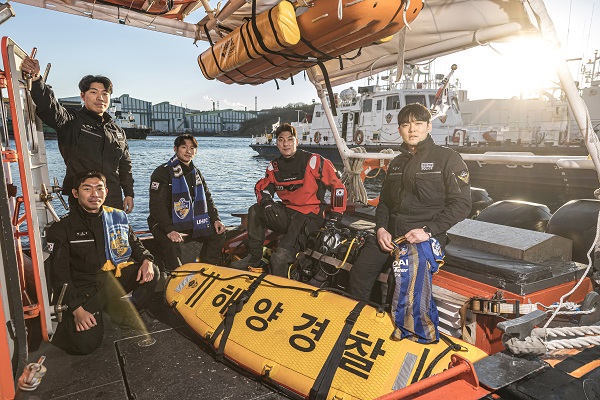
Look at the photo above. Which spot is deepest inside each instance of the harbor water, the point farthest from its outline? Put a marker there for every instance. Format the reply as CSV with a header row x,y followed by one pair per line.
x,y
229,165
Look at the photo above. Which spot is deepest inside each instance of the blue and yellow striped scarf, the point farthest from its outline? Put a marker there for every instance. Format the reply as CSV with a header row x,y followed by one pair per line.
x,y
116,239
188,213
413,307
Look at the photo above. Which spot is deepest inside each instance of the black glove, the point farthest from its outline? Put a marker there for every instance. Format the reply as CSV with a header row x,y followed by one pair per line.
x,y
270,212
333,216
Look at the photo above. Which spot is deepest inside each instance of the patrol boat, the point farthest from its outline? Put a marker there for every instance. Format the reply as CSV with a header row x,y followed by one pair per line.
x,y
132,129
170,360
366,118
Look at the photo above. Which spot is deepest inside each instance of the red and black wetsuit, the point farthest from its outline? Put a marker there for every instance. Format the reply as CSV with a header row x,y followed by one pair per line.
x,y
300,182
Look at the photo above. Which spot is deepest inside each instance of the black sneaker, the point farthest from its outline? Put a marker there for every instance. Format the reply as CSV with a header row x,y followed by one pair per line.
x,y
244,263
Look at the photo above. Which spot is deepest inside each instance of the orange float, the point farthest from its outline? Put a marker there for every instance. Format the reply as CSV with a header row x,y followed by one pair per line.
x,y
325,33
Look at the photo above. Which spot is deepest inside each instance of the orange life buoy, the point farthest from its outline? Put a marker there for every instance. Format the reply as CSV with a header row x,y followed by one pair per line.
x,y
359,137
370,165
317,137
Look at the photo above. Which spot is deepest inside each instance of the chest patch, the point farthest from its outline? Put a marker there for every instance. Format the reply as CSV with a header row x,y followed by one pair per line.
x,y
426,166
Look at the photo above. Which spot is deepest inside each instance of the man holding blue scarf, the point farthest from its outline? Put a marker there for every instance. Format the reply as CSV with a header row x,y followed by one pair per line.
x,y
96,254
181,204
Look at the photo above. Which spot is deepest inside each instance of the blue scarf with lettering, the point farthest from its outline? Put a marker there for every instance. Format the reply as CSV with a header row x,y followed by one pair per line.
x,y
116,239
413,307
188,213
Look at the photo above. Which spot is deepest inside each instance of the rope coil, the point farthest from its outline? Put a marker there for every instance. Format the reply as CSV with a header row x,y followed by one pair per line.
x,y
351,179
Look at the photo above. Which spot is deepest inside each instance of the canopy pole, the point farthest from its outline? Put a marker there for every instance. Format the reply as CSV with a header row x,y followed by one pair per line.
x,y
580,112
345,152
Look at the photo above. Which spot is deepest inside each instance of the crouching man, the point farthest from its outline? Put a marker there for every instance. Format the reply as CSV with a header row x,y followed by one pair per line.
x,y
300,180
95,252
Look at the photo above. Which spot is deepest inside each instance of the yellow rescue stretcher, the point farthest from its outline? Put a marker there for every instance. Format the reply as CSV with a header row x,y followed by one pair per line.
x,y
307,341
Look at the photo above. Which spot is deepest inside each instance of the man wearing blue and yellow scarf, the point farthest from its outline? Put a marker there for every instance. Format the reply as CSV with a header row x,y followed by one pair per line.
x,y
95,252
181,207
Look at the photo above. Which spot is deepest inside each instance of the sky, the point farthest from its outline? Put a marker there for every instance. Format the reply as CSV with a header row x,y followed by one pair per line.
x,y
158,67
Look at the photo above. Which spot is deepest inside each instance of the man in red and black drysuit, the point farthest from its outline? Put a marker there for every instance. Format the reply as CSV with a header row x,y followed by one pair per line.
x,y
300,180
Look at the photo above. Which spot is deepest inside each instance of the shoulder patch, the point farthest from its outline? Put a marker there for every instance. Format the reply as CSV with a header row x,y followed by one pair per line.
x,y
50,247
464,176
270,167
154,185
313,161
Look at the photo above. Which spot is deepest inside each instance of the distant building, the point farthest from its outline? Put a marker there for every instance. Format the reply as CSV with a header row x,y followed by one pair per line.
x,y
171,119
219,121
140,109
71,102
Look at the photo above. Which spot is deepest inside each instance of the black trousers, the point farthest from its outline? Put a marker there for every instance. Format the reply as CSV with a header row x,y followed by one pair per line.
x,y
369,265
172,252
288,243
106,297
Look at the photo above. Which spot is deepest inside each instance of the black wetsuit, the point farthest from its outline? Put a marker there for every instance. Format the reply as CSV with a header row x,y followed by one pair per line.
x,y
87,142
77,256
160,220
429,188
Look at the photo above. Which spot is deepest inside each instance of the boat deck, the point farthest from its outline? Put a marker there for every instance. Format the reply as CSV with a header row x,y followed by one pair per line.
x,y
178,365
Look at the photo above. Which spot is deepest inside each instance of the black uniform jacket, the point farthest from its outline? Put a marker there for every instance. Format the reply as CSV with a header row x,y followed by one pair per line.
x,y
430,187
77,243
87,142
161,203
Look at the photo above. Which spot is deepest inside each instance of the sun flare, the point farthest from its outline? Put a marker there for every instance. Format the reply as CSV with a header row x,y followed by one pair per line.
x,y
531,66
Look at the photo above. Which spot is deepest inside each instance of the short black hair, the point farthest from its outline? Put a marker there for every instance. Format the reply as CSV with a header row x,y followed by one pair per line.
x,y
83,176
86,82
285,127
414,112
180,140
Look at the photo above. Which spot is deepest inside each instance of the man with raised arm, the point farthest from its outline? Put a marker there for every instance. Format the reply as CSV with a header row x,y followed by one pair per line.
x,y
95,252
181,204
426,191
88,138
299,179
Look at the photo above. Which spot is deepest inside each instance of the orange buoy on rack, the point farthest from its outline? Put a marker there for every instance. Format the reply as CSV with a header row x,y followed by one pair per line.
x,y
247,57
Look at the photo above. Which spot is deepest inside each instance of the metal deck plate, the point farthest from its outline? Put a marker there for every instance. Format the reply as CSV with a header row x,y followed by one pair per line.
x,y
96,375
176,367
500,369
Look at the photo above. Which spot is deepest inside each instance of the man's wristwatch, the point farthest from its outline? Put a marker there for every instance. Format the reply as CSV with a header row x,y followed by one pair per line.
x,y
427,230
